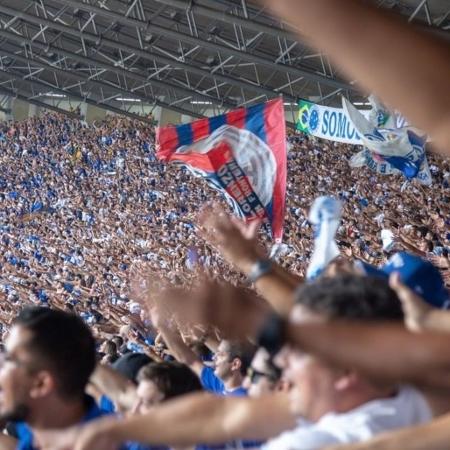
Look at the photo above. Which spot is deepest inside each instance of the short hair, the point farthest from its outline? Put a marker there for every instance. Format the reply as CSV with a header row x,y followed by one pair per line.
x,y
110,347
130,363
118,340
171,378
351,297
63,344
244,351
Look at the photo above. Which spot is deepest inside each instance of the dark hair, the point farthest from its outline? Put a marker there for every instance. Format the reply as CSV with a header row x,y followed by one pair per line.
x,y
243,350
351,297
423,231
118,340
63,344
110,348
129,364
172,378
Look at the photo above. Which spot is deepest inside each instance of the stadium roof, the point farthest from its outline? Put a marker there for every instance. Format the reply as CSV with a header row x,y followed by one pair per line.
x,y
184,55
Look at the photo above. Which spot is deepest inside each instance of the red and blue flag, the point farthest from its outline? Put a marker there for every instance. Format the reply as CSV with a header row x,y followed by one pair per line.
x,y
242,154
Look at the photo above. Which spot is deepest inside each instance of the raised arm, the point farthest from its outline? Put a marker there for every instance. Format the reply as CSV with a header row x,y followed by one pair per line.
x,y
180,350
227,418
115,386
374,47
383,351
237,244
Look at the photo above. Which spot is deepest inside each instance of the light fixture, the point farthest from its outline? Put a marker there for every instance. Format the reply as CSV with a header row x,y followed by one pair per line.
x,y
51,94
131,100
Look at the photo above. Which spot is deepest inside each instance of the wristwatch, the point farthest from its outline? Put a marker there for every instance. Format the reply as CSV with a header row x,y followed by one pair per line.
x,y
259,269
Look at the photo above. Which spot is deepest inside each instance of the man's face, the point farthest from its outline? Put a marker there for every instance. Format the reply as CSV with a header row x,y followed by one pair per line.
x,y
313,382
16,378
259,380
148,396
222,361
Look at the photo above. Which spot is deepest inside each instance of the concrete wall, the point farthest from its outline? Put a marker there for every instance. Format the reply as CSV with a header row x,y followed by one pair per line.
x,y
92,113
19,109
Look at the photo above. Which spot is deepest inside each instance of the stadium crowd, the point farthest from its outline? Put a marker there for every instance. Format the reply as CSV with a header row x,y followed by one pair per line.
x,y
138,313
94,224
84,205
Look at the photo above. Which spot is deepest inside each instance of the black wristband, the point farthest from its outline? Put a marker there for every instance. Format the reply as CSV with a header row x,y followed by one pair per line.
x,y
259,269
273,334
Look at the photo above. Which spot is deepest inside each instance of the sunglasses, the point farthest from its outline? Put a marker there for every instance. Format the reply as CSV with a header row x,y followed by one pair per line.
x,y
255,375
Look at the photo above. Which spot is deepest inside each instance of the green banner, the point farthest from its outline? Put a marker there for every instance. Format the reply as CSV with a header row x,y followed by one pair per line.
x,y
303,116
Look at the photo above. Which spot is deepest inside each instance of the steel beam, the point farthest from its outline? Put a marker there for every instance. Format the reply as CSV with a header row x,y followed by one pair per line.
x,y
100,40
183,37
96,63
101,84
226,17
40,84
14,94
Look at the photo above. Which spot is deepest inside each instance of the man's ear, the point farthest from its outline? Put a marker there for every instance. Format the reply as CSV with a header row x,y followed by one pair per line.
x,y
236,364
346,380
43,384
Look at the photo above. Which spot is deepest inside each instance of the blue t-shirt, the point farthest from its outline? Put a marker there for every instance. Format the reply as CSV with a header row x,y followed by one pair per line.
x,y
25,434
214,384
106,404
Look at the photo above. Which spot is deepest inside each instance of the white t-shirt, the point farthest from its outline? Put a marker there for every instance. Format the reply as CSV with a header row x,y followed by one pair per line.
x,y
407,408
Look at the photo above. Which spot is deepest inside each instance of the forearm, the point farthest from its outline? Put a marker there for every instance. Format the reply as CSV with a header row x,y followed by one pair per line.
x,y
7,442
374,47
277,286
114,385
386,352
207,419
437,320
177,347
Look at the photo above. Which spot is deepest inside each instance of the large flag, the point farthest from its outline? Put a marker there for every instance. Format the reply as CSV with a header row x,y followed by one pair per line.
x,y
389,147
242,154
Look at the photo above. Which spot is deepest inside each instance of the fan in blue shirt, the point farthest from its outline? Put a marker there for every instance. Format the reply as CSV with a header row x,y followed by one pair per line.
x,y
49,358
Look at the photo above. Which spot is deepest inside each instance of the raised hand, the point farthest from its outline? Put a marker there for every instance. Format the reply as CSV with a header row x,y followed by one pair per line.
x,y
416,311
235,240
236,312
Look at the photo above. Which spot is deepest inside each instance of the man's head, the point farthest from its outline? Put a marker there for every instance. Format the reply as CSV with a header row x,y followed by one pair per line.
x,y
49,354
263,376
232,359
318,387
130,364
159,382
